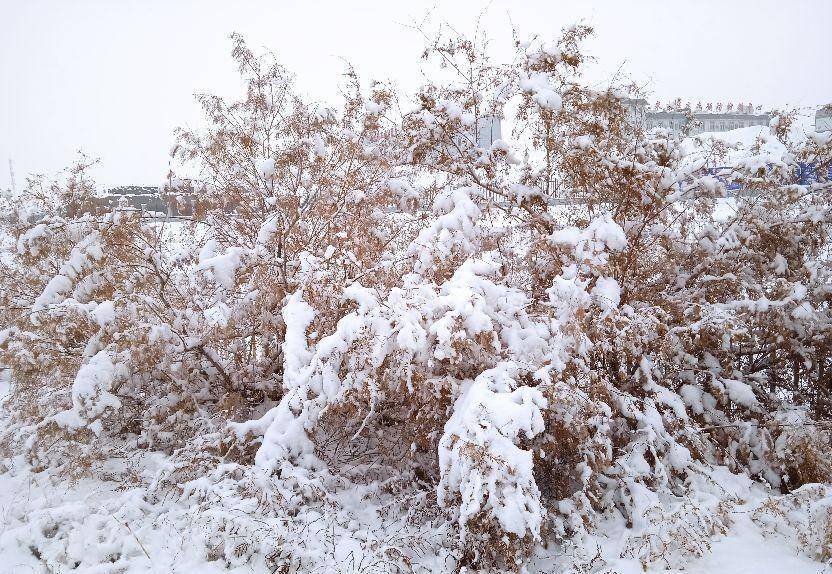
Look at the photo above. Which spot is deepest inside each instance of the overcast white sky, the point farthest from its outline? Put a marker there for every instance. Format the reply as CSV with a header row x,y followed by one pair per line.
x,y
114,77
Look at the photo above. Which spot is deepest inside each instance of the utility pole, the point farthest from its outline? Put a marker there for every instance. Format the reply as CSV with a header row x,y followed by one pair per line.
x,y
11,175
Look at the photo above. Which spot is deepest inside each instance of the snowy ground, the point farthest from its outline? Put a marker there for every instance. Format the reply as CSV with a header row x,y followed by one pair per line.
x,y
102,526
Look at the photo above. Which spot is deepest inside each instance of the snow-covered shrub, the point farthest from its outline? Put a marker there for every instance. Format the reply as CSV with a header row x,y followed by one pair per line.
x,y
802,449
375,328
486,474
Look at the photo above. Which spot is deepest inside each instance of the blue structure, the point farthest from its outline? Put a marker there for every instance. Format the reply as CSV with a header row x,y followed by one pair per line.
x,y
715,171
807,173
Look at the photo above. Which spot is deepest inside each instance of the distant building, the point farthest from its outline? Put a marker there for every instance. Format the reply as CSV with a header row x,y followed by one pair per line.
x,y
149,199
489,130
636,110
480,134
823,119
707,118
143,198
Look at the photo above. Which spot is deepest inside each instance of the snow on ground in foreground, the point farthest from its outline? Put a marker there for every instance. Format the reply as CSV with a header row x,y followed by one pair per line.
x,y
743,551
156,546
747,551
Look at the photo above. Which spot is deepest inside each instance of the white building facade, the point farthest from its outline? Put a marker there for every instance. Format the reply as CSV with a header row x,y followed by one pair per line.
x,y
702,118
489,129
